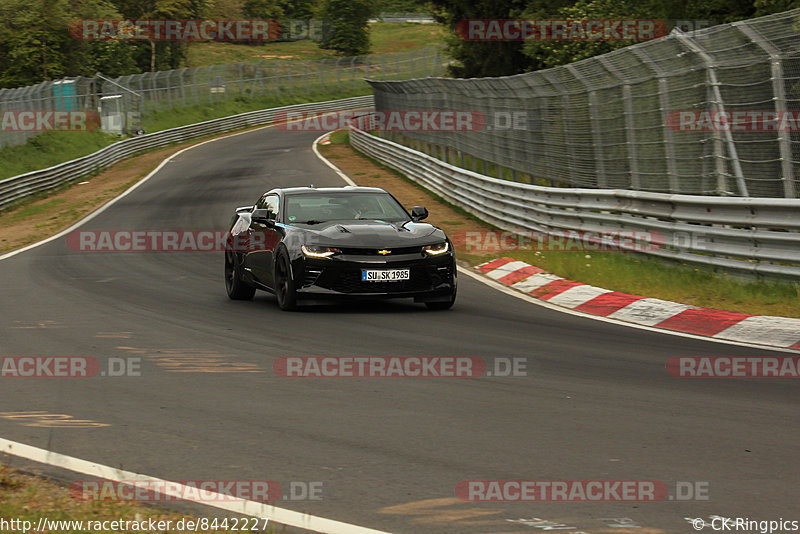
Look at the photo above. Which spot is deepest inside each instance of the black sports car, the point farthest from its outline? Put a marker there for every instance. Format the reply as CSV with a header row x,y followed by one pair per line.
x,y
344,242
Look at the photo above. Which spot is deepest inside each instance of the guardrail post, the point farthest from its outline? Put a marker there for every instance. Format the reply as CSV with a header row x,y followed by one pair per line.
x,y
718,103
168,88
183,86
776,69
153,92
567,121
663,97
630,127
597,136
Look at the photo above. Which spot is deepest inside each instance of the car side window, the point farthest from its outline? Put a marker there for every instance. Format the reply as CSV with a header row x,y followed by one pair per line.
x,y
271,203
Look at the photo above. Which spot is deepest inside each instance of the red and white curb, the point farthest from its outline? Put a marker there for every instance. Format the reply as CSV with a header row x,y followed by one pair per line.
x,y
719,324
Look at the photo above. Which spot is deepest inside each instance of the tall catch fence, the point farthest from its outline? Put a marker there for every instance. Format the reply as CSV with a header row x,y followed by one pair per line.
x,y
122,102
657,116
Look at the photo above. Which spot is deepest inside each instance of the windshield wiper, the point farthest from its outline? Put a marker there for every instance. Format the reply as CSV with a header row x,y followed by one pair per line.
x,y
310,221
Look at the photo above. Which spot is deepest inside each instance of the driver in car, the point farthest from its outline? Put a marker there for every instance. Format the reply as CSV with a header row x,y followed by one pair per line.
x,y
361,206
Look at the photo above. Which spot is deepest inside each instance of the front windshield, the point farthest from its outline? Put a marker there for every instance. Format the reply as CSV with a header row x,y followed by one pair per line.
x,y
324,207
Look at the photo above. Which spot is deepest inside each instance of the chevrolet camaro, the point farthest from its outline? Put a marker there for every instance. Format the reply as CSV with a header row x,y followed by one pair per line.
x,y
311,244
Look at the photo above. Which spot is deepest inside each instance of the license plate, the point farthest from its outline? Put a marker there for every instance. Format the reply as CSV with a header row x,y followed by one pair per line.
x,y
385,275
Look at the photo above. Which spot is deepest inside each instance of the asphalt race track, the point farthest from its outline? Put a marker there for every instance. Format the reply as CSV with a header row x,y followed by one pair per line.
x,y
596,404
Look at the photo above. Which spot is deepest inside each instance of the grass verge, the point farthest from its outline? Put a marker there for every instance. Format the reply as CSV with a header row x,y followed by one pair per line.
x,y
628,273
172,118
52,148
26,497
386,38
42,215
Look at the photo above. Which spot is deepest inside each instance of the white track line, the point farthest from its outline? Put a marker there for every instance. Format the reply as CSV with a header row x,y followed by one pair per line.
x,y
515,293
241,506
224,502
336,169
113,201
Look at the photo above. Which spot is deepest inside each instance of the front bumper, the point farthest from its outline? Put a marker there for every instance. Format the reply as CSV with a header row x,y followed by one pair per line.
x,y
431,278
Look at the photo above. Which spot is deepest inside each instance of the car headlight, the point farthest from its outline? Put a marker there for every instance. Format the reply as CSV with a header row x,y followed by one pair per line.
x,y
436,250
316,251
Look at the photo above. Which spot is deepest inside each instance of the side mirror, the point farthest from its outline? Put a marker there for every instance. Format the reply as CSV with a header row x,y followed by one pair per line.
x,y
262,216
418,213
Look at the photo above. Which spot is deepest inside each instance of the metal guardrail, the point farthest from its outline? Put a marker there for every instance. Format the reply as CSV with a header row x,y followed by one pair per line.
x,y
17,187
755,236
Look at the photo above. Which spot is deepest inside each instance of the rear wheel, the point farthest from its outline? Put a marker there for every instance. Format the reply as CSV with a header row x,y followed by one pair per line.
x,y
237,288
284,285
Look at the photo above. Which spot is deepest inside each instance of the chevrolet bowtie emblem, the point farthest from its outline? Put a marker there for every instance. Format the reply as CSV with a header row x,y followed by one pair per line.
x,y
384,252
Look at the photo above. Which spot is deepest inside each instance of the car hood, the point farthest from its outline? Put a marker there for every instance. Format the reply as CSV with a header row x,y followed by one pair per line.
x,y
374,234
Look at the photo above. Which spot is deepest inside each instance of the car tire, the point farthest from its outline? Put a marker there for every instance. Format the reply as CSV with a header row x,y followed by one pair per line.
x,y
237,288
444,305
285,290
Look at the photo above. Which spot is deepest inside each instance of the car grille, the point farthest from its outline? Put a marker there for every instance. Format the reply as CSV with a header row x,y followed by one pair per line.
x,y
374,251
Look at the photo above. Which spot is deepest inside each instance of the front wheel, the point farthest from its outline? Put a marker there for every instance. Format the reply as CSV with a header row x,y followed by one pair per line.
x,y
237,288
284,285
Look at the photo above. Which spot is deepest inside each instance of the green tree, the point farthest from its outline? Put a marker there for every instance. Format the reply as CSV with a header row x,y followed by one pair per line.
x,y
161,55
551,53
477,58
33,39
545,54
403,6
349,19
767,7
262,9
299,9
499,58
224,9
85,58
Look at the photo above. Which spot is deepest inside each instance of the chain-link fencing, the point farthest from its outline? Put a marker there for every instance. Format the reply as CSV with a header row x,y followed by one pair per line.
x,y
710,112
122,102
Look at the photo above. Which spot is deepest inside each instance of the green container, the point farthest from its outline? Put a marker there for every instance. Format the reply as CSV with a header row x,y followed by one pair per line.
x,y
65,97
